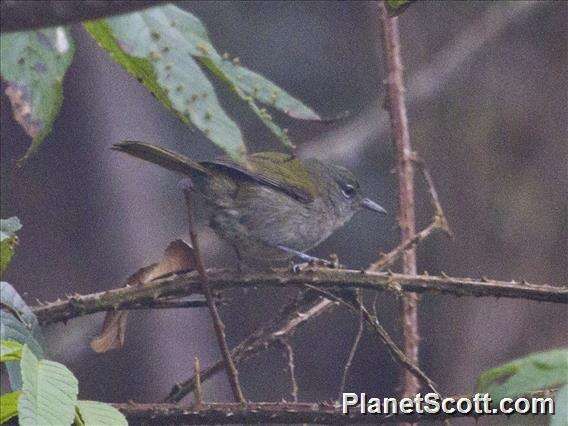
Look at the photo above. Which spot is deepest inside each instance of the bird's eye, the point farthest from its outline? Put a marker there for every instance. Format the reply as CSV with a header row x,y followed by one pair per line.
x,y
348,191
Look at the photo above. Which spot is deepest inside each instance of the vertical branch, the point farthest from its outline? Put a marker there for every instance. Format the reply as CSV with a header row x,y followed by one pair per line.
x,y
198,390
352,352
232,372
289,352
405,174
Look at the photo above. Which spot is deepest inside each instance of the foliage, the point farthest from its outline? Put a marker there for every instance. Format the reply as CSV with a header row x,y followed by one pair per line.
x,y
9,406
44,392
49,392
10,350
396,7
8,240
94,413
166,47
33,64
18,323
537,371
560,417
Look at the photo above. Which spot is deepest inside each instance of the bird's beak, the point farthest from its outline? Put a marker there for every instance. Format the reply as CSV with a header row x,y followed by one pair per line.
x,y
371,205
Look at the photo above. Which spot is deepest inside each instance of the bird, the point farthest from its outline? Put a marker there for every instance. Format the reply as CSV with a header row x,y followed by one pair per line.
x,y
270,207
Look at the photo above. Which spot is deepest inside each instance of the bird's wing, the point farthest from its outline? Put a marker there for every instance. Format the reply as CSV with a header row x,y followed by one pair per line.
x,y
277,170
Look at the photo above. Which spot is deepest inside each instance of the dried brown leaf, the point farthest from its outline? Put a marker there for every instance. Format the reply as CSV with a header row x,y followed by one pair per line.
x,y
178,257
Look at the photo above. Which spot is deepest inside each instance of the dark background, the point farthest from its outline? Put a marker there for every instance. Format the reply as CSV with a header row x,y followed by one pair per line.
x,y
492,130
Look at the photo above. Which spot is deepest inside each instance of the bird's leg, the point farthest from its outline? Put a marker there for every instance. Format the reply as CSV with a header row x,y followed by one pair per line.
x,y
306,257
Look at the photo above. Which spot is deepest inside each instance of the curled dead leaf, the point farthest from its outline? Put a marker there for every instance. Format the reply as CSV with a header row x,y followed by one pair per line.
x,y
22,106
178,257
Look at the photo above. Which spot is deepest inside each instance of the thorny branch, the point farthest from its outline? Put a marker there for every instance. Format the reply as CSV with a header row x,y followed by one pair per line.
x,y
277,412
187,284
405,174
218,325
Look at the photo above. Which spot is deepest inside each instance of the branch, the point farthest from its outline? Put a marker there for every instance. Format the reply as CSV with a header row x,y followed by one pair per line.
x,y
278,412
397,355
405,173
218,325
425,83
352,352
219,279
17,15
439,223
289,354
254,413
292,316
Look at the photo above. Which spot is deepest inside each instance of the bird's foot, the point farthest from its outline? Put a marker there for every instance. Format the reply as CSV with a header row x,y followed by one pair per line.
x,y
308,260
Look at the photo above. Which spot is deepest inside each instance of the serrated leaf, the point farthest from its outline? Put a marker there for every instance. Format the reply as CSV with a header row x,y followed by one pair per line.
x,y
33,64
9,406
10,350
49,392
160,46
148,47
225,71
537,371
18,323
560,416
94,413
8,240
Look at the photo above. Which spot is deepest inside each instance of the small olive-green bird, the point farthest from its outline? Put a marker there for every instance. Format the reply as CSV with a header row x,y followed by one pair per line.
x,y
270,207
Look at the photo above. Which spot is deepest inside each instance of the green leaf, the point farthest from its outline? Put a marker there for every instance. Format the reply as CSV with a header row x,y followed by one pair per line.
x,y
10,350
8,240
33,64
18,323
537,371
225,70
163,47
138,43
396,7
93,413
49,392
560,416
9,406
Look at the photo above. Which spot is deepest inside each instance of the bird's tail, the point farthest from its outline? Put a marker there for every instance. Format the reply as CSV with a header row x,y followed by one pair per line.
x,y
162,157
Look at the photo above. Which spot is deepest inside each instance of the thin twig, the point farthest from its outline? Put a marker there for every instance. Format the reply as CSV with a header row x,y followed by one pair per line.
x,y
439,222
352,352
290,319
198,390
289,352
397,354
232,371
295,315
405,173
